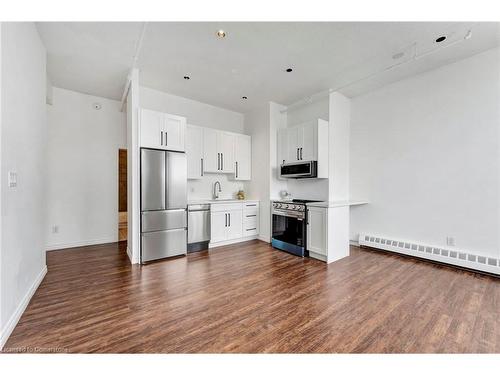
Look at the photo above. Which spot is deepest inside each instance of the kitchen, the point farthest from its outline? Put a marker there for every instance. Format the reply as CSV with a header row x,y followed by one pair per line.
x,y
202,156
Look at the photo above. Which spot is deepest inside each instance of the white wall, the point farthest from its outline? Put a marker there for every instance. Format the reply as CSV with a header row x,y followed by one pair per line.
x,y
316,189
23,150
82,174
425,153
200,114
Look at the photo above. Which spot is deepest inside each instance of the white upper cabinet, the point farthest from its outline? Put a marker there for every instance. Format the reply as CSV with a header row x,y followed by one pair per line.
x,y
305,142
218,151
242,157
161,130
225,147
194,152
211,158
175,128
151,129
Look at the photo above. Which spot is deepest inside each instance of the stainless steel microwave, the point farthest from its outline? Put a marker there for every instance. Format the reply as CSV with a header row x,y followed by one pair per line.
x,y
301,169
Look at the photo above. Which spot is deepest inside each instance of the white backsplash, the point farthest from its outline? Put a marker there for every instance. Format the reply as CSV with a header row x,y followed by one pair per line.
x,y
203,188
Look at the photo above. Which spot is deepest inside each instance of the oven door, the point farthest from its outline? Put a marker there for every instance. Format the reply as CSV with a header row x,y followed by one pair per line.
x,y
289,233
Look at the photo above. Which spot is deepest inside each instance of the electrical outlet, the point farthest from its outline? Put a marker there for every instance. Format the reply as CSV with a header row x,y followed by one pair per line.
x,y
12,179
450,241
55,229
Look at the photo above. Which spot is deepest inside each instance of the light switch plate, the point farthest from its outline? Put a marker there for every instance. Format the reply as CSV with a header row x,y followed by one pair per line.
x,y
12,179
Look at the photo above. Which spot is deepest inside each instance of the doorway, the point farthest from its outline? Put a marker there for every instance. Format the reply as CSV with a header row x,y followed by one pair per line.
x,y
122,195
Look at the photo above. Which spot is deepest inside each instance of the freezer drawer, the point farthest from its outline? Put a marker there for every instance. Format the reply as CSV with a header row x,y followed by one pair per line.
x,y
163,220
163,244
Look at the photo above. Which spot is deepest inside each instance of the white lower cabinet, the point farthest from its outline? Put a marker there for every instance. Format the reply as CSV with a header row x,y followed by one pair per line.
x,y
317,230
328,232
233,222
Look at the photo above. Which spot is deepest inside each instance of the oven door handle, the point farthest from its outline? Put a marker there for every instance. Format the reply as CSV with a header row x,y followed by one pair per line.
x,y
288,214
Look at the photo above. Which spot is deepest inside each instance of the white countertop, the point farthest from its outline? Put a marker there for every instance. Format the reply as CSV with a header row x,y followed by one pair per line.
x,y
212,201
334,204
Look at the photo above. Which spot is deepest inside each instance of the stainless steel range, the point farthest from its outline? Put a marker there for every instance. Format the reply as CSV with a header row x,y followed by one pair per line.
x,y
289,220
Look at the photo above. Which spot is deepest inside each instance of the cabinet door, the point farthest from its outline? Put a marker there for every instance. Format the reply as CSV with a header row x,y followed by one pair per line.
x,y
317,230
218,226
307,146
235,224
225,146
282,146
194,151
293,143
210,153
151,129
174,128
242,157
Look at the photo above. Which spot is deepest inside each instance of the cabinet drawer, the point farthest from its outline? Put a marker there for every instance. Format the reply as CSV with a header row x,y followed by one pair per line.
x,y
250,215
250,222
251,205
250,231
219,207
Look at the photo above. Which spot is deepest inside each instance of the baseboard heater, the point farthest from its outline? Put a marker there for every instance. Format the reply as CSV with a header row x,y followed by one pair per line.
x,y
439,254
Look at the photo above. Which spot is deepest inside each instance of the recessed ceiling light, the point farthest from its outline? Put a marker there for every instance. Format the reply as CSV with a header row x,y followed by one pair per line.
x,y
288,70
440,39
398,55
221,33
244,97
187,77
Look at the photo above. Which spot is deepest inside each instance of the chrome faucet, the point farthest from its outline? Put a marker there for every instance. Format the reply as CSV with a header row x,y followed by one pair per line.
x,y
216,193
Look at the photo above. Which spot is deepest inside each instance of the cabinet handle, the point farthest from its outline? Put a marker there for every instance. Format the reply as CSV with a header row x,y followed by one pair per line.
x,y
301,154
225,220
229,220
218,161
161,139
251,205
202,167
236,169
251,229
251,215
221,161
166,138
298,154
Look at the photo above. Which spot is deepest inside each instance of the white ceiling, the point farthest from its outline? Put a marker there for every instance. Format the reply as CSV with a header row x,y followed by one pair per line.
x,y
95,57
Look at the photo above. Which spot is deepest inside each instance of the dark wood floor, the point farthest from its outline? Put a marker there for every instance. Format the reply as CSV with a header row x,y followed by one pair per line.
x,y
251,298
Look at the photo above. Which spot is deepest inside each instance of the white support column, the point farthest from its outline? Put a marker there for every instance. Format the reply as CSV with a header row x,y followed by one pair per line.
x,y
133,182
338,182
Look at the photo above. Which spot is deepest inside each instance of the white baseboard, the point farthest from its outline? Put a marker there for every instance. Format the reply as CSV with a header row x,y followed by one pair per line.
x,y
354,243
230,242
14,319
69,245
263,238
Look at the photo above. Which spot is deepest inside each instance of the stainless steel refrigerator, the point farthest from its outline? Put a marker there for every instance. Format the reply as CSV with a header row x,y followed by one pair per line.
x,y
163,204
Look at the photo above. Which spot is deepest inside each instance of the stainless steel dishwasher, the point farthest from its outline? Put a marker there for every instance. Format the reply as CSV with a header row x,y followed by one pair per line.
x,y
198,227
